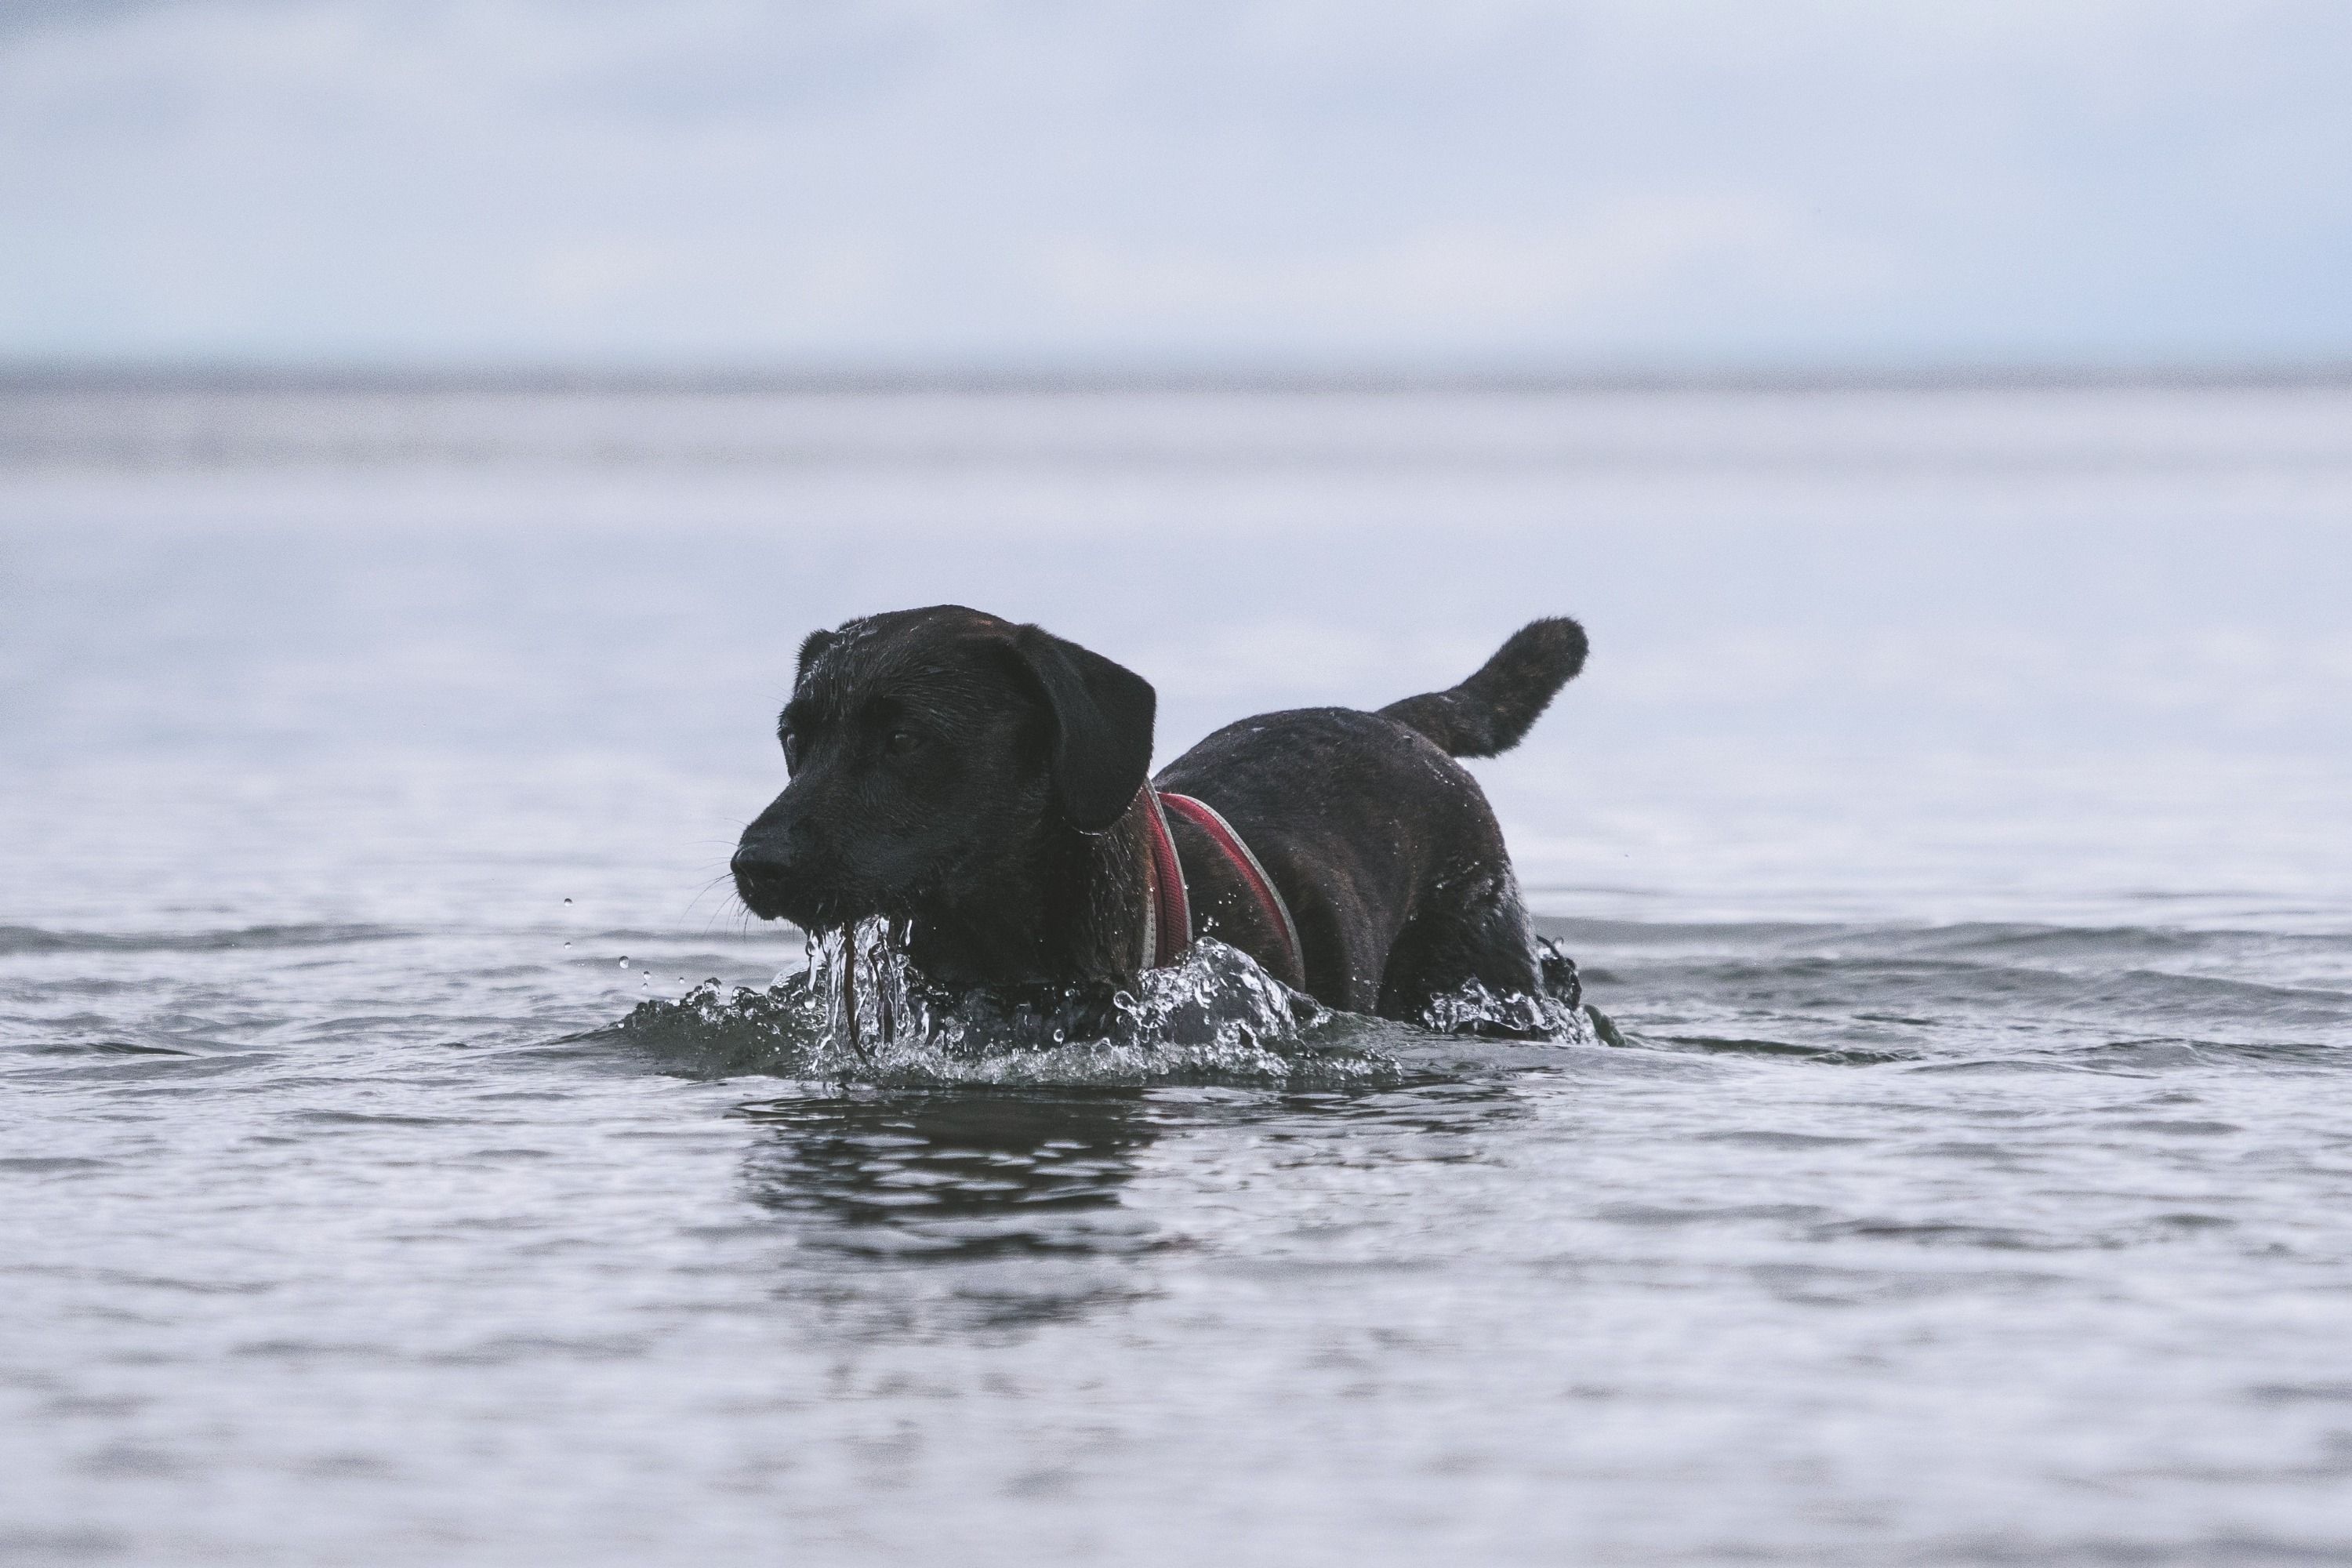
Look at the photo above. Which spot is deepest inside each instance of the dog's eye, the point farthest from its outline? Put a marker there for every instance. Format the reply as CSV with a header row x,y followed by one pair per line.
x,y
792,751
901,741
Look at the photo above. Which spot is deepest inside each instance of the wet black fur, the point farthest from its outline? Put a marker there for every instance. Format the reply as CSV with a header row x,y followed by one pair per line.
x,y
979,780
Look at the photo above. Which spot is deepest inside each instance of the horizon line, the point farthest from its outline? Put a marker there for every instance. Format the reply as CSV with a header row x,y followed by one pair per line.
x,y
592,377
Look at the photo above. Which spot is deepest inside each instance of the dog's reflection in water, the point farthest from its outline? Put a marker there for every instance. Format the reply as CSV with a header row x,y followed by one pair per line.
x,y
1011,1198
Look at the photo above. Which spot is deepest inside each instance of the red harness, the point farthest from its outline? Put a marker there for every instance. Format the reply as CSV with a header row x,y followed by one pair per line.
x,y
1168,912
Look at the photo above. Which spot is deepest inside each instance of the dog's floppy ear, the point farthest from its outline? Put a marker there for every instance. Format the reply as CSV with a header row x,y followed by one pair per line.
x,y
1102,726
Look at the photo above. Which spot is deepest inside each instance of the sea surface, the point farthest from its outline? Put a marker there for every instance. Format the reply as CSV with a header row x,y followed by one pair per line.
x,y
401,1162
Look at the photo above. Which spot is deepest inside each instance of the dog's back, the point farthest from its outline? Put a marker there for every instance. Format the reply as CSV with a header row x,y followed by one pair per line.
x,y
1383,845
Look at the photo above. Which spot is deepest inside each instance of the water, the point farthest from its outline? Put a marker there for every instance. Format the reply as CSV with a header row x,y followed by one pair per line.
x,y
1953,814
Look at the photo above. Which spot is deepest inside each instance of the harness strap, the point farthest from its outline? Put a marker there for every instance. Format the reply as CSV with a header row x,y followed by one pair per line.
x,y
1169,917
1167,912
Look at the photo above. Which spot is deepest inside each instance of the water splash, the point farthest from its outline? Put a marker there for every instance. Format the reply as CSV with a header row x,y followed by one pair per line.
x,y
1556,1014
1472,1008
857,1012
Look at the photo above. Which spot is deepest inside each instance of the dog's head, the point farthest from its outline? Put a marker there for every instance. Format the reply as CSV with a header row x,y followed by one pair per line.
x,y
931,751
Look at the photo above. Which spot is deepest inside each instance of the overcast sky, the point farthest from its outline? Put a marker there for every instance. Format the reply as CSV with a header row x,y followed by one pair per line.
x,y
1475,183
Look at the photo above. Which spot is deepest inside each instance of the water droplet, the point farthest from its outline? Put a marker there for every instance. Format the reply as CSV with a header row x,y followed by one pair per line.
x,y
567,944
567,901
624,960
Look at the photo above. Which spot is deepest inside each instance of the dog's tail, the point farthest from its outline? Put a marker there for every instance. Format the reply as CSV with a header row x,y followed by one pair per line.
x,y
1493,710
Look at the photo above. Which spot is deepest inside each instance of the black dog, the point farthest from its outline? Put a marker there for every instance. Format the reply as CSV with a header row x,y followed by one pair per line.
x,y
984,783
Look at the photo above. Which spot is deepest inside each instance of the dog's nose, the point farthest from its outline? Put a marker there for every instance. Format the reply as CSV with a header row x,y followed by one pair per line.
x,y
762,860
764,872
